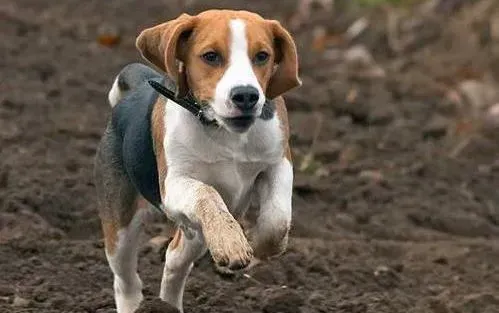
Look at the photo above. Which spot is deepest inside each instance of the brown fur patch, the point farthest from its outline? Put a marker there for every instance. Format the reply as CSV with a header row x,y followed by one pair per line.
x,y
110,229
286,75
177,240
282,114
160,45
113,221
202,78
158,135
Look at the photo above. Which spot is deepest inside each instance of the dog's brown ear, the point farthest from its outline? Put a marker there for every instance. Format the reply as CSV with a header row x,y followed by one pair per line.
x,y
285,76
162,45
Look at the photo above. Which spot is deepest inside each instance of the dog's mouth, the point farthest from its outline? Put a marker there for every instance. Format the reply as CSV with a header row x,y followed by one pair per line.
x,y
239,124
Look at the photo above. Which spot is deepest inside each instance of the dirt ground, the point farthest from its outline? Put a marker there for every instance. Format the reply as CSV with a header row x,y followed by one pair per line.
x,y
396,206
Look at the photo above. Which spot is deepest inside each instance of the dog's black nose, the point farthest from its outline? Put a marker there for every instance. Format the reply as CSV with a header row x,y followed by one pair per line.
x,y
244,97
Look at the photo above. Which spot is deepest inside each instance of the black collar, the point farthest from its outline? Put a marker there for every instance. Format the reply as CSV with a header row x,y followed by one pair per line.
x,y
191,105
188,103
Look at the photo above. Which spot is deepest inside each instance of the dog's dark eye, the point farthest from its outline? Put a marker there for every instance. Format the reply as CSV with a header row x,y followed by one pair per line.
x,y
212,58
261,58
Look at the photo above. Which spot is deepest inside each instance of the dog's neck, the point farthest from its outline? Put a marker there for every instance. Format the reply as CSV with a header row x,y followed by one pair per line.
x,y
261,143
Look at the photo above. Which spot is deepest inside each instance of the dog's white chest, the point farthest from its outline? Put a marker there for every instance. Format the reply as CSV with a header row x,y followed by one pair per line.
x,y
234,181
228,162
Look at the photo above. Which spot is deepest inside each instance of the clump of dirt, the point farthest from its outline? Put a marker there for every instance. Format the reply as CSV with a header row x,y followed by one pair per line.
x,y
156,306
395,200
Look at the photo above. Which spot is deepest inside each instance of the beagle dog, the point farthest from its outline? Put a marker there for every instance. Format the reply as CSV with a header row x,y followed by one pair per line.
x,y
205,178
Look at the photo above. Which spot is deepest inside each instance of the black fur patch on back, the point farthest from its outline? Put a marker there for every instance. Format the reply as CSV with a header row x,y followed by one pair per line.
x,y
131,122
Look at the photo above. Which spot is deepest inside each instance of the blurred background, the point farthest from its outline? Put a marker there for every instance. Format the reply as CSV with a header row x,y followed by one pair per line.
x,y
395,143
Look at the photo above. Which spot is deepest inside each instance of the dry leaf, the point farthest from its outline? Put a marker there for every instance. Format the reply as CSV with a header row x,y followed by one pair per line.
x,y
108,40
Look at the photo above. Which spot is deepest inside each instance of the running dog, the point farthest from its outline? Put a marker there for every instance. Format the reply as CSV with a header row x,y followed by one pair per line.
x,y
204,176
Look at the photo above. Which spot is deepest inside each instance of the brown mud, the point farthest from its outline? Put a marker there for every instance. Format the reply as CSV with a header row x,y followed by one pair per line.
x,y
396,206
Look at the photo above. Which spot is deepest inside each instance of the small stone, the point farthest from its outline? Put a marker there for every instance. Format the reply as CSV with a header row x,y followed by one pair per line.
x,y
37,281
436,289
478,94
358,55
381,115
80,265
20,302
441,261
361,61
346,220
357,28
491,119
386,276
380,270
372,175
436,127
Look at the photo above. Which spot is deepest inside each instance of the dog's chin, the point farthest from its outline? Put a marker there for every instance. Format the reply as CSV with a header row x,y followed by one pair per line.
x,y
239,124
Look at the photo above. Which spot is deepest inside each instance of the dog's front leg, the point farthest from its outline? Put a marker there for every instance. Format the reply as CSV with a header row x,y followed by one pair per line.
x,y
199,207
199,210
269,236
205,222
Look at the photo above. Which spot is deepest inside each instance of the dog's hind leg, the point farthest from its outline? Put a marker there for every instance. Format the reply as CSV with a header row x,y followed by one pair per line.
x,y
180,256
122,245
120,210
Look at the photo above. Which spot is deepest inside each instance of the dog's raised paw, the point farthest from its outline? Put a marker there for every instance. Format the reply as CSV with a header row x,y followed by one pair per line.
x,y
228,245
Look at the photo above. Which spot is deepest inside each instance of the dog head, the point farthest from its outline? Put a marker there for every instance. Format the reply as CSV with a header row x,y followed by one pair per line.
x,y
230,60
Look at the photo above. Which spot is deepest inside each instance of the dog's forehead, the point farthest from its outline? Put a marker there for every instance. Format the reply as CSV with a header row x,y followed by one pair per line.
x,y
216,23
216,15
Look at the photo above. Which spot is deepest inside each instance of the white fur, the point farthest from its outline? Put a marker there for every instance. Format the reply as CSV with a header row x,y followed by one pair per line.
x,y
114,95
274,190
123,263
229,162
197,156
178,265
238,73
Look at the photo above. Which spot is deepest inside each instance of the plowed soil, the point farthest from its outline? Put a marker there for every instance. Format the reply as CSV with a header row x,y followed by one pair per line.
x,y
396,206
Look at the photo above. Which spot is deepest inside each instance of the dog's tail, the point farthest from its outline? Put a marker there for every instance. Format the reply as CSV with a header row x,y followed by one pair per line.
x,y
130,78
